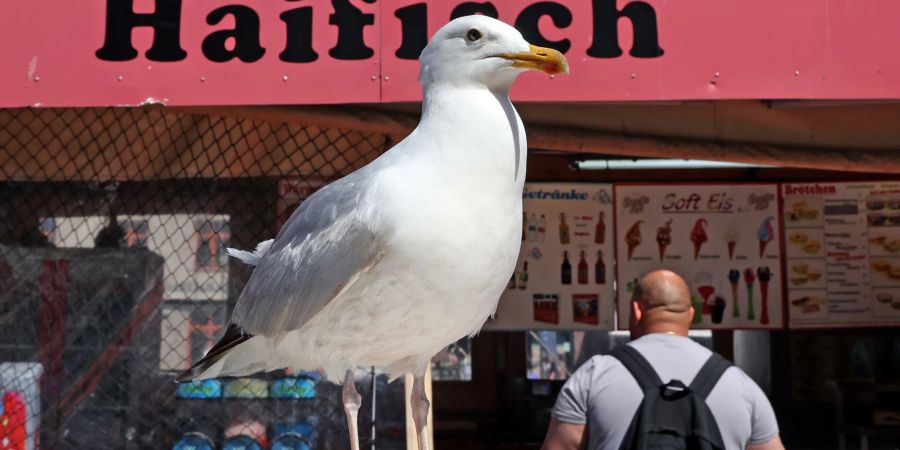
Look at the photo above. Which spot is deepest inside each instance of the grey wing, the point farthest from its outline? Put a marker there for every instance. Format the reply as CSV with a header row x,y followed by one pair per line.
x,y
326,245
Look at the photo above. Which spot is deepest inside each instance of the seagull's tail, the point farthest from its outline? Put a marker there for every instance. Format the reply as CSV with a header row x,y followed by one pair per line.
x,y
237,353
251,258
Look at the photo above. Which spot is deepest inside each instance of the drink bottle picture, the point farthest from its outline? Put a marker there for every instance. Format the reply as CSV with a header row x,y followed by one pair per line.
x,y
600,230
582,269
532,228
600,269
524,225
563,229
566,270
523,277
542,229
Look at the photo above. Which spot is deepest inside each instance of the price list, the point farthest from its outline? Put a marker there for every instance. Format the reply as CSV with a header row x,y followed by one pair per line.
x,y
843,254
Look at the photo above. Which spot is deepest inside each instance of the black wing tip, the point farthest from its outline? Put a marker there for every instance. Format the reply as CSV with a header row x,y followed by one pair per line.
x,y
233,336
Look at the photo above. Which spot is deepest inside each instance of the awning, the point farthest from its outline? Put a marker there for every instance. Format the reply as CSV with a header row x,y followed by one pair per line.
x,y
154,142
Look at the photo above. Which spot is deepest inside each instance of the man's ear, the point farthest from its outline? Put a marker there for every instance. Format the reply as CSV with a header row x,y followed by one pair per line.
x,y
636,310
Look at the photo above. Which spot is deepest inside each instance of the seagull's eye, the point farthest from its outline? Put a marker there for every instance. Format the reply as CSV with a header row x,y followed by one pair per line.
x,y
473,35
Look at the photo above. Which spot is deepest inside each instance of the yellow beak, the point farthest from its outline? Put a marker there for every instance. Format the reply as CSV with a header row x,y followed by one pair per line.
x,y
543,59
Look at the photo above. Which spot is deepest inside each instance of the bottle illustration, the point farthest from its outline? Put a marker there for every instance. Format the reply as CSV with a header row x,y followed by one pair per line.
x,y
566,271
600,269
523,276
563,229
542,229
600,230
524,225
532,228
582,269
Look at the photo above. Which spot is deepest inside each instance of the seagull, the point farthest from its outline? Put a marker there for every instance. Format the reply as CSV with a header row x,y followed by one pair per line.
x,y
392,263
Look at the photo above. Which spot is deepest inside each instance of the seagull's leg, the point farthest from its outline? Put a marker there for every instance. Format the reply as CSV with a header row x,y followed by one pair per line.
x,y
420,404
352,402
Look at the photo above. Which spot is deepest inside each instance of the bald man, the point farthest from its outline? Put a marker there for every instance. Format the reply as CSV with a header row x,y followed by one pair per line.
x,y
597,403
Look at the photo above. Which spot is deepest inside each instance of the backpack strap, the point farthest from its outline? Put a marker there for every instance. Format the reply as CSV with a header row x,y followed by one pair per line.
x,y
639,367
709,375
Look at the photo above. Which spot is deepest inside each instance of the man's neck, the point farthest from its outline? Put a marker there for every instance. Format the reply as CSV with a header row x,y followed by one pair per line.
x,y
667,330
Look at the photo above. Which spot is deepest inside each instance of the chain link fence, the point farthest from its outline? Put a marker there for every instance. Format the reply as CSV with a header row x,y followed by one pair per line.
x,y
113,278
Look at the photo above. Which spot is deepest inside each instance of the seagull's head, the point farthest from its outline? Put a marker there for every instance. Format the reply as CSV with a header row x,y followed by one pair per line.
x,y
486,51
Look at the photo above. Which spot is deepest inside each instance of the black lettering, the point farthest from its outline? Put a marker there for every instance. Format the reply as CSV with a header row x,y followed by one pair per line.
x,y
121,20
350,22
245,35
413,29
471,8
527,23
298,47
606,36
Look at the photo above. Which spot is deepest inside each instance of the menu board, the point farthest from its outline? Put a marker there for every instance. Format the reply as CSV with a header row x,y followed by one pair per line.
x,y
722,239
843,253
563,278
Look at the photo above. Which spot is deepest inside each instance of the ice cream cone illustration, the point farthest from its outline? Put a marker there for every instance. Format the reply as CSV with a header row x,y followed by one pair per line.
x,y
734,277
731,238
749,279
698,235
764,275
664,238
765,233
706,291
633,237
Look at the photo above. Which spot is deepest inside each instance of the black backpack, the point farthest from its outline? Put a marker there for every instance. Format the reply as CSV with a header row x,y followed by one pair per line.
x,y
672,416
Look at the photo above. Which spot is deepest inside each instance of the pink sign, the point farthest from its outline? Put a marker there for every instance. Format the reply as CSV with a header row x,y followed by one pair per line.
x,y
110,52
128,52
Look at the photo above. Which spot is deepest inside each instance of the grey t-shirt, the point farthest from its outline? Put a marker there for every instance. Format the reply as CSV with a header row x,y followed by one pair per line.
x,y
604,395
